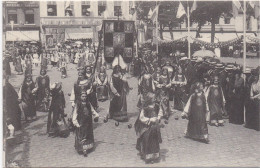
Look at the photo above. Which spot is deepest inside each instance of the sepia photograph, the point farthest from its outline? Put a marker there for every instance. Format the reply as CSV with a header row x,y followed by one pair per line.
x,y
130,83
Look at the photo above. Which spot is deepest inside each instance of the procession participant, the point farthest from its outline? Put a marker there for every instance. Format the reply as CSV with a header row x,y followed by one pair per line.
x,y
229,87
6,64
145,86
63,69
56,113
253,113
216,102
28,64
11,104
237,102
197,112
92,96
54,58
42,84
148,130
82,83
164,85
26,96
101,82
169,68
44,62
82,119
119,88
90,59
36,59
77,56
18,65
180,98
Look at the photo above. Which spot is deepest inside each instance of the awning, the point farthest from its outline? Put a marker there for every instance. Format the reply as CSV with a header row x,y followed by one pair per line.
x,y
78,33
22,36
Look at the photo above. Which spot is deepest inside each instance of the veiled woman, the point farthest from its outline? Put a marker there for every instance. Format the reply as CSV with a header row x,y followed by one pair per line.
x,y
119,89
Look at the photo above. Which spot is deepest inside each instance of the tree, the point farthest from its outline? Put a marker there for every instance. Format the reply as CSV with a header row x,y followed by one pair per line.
x,y
210,11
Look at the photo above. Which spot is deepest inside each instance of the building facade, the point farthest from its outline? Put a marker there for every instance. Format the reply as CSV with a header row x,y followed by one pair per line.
x,y
21,21
77,20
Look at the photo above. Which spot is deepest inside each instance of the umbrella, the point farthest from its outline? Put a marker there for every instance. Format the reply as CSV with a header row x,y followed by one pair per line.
x,y
78,42
204,53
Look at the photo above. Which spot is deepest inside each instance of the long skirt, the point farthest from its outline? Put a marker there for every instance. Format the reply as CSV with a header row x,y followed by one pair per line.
x,y
118,108
56,124
149,143
253,114
102,93
237,111
84,139
180,99
42,100
18,67
29,109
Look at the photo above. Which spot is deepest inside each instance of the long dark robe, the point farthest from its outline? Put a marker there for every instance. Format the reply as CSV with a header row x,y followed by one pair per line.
x,y
102,87
215,102
44,63
180,97
6,66
237,103
149,136
253,110
43,92
229,89
28,100
197,126
56,111
84,139
164,96
18,65
11,106
145,87
118,104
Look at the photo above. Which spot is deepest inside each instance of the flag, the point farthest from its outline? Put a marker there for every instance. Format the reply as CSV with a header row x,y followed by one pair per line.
x,y
181,11
150,13
67,4
194,6
251,4
237,4
155,12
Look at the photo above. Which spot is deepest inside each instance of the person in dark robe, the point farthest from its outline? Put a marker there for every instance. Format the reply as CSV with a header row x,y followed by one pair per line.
x,y
197,112
82,83
6,65
82,119
43,91
253,112
44,60
18,65
11,105
63,69
237,101
119,89
180,97
91,78
164,85
56,112
145,86
148,130
27,98
101,84
28,64
216,102
229,89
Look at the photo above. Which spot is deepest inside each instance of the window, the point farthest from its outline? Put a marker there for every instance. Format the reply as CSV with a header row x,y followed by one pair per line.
x,y
101,7
29,17
69,8
85,8
12,15
51,8
117,8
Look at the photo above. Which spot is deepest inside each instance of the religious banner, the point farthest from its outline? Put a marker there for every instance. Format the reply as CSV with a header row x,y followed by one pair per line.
x,y
118,39
50,41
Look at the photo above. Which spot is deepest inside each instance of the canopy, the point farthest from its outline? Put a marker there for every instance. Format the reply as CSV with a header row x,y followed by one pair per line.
x,y
22,36
78,33
204,53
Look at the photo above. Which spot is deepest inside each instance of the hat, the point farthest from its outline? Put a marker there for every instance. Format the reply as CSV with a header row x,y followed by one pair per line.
x,y
229,67
219,66
199,59
184,58
58,85
247,71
